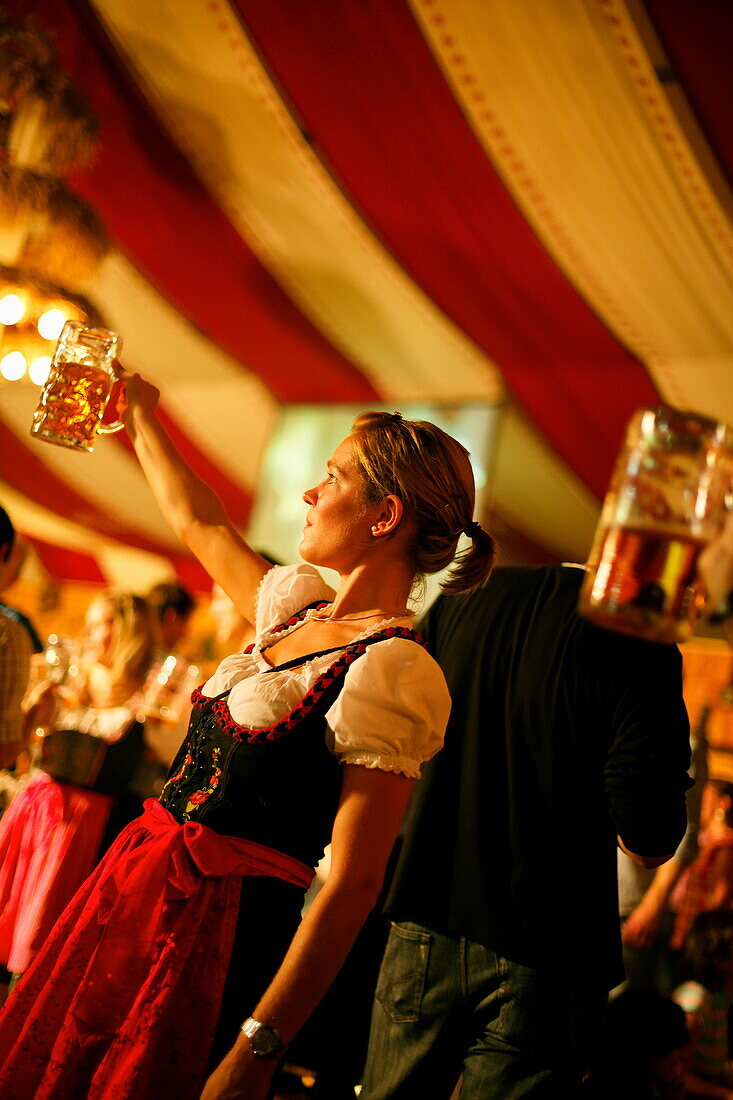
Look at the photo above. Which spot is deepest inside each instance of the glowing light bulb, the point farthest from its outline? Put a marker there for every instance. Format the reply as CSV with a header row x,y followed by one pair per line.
x,y
13,365
38,370
12,308
50,324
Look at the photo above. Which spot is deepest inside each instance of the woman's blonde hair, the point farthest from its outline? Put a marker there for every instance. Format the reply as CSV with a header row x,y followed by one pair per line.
x,y
429,471
133,637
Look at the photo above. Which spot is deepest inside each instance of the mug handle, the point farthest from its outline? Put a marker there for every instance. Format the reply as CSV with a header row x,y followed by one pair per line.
x,y
109,429
117,425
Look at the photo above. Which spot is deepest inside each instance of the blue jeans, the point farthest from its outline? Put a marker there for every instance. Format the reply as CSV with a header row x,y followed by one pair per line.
x,y
447,1006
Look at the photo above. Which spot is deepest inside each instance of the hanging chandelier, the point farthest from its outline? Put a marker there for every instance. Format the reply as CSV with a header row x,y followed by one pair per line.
x,y
52,242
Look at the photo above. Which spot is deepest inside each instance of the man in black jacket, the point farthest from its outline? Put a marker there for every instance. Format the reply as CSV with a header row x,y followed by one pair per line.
x,y
564,740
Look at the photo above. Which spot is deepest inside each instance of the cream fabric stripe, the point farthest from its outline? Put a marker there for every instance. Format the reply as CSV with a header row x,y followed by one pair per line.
x,y
553,93
227,413
122,566
222,110
537,493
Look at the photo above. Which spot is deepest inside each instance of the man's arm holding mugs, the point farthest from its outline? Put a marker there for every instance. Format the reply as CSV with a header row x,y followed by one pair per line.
x,y
716,572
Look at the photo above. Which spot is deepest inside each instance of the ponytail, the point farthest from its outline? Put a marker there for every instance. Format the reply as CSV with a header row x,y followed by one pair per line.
x,y
472,566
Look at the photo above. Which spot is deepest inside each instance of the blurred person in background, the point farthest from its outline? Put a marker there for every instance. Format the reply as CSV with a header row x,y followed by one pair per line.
x,y
16,561
15,657
50,837
173,605
706,998
12,780
707,883
645,1050
232,631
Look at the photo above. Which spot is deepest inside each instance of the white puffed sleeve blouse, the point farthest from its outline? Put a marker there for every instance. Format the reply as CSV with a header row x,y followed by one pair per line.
x,y
393,707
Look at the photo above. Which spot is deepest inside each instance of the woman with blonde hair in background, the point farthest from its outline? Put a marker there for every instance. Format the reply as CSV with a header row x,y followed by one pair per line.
x,y
185,951
51,836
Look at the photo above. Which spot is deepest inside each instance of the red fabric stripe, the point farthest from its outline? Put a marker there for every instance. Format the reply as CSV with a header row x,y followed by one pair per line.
x,y
370,94
235,500
163,218
26,473
67,565
698,39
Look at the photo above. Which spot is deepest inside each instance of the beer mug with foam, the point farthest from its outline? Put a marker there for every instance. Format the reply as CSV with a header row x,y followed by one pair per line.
x,y
79,386
667,498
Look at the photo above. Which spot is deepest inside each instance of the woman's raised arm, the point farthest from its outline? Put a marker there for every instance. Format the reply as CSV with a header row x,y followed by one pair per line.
x,y
191,508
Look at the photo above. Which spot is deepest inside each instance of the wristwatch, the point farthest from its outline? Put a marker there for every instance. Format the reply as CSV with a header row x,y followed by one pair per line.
x,y
265,1041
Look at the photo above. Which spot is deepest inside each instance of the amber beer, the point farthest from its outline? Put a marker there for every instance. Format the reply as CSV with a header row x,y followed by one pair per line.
x,y
73,404
79,387
644,583
666,500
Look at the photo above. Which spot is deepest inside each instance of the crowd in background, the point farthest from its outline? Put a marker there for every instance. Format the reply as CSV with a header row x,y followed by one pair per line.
x,y
97,721
669,1026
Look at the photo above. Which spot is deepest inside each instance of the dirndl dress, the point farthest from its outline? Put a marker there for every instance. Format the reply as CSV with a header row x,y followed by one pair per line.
x,y
170,943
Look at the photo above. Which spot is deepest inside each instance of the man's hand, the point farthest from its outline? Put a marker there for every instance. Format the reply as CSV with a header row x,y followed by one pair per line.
x,y
40,704
641,927
716,566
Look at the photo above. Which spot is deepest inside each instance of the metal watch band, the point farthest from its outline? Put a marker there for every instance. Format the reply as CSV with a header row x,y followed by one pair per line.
x,y
264,1040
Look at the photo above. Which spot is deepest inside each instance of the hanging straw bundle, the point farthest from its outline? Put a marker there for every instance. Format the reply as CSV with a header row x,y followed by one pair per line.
x,y
26,53
51,126
47,229
68,245
24,203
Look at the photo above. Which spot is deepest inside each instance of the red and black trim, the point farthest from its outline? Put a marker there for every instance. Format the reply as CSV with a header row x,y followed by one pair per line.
x,y
220,708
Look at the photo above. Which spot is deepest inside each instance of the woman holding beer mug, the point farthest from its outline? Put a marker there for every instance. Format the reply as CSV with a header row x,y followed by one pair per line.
x,y
185,950
50,837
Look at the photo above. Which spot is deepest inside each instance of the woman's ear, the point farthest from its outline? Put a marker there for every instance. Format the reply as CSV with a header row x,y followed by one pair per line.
x,y
388,516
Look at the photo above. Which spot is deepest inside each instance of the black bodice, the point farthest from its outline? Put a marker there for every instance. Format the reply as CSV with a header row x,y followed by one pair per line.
x,y
282,793
280,786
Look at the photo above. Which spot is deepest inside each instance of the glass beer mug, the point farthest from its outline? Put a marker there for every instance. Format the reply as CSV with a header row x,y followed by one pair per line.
x,y
167,691
667,499
79,386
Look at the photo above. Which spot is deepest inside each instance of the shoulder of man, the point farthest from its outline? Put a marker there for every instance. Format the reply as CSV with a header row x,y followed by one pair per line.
x,y
13,633
17,616
509,589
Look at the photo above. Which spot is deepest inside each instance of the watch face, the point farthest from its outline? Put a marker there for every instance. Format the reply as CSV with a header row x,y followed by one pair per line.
x,y
266,1042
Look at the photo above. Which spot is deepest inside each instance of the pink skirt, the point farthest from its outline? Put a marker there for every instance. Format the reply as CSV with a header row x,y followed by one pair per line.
x,y
49,841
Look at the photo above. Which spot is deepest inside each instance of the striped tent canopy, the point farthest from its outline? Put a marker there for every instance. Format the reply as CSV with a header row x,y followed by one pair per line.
x,y
524,207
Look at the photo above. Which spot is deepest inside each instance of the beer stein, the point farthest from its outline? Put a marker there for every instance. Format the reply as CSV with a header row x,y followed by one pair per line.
x,y
667,499
61,659
167,691
79,386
